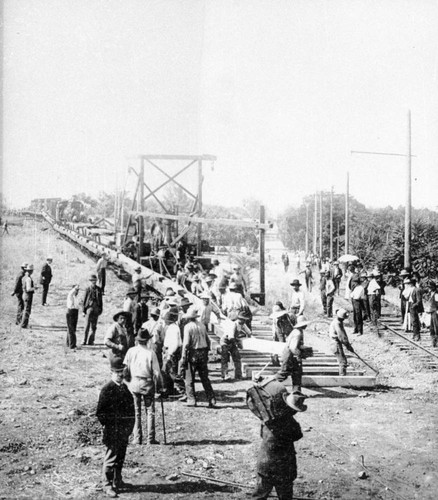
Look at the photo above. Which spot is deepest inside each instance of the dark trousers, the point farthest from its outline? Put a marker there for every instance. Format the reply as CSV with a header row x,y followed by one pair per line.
x,y
290,365
197,362
415,323
27,299
113,464
91,317
403,309
337,282
330,300
20,309
232,350
324,301
101,277
149,404
265,485
366,308
72,323
357,316
45,292
374,309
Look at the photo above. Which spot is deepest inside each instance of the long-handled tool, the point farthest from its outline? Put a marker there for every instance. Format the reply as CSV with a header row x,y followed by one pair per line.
x,y
164,422
365,363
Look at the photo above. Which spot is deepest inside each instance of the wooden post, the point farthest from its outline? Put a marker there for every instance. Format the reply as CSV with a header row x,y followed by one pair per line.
x,y
320,224
331,224
262,257
140,207
315,220
347,216
199,231
307,229
407,250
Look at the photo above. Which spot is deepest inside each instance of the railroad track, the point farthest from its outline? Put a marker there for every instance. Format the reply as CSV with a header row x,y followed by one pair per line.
x,y
422,352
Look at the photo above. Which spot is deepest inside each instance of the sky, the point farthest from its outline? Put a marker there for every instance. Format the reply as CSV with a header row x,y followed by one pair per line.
x,y
279,91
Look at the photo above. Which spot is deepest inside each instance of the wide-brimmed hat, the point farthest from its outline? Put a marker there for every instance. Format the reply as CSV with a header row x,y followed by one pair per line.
x,y
295,283
170,292
341,313
117,365
143,335
209,279
144,295
232,286
49,258
171,315
212,275
185,302
93,277
407,281
120,313
403,272
301,322
192,313
29,267
295,400
131,291
278,311
155,311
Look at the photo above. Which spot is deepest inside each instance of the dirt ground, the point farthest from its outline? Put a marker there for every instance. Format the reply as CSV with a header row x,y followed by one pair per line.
x,y
50,441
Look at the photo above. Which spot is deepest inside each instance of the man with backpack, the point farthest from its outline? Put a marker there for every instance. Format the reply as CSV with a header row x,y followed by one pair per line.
x,y
276,461
282,323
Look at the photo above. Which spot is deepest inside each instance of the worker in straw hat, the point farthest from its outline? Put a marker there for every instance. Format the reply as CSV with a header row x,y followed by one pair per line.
x,y
339,339
195,349
293,354
276,461
144,380
230,343
297,300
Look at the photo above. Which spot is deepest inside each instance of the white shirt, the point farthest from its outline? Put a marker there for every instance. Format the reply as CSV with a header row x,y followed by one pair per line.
x,y
358,293
373,287
297,300
172,338
73,300
144,368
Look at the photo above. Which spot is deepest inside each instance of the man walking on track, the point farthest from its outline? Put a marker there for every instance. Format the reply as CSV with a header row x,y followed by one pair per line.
x,y
144,380
115,411
18,292
92,309
46,279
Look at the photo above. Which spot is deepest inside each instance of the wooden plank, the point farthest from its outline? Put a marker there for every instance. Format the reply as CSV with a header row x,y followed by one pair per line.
x,y
255,224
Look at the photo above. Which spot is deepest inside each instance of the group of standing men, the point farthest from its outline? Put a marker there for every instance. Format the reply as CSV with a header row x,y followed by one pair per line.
x,y
25,288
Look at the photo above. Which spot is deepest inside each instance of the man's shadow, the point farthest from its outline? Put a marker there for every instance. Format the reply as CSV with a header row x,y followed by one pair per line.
x,y
181,487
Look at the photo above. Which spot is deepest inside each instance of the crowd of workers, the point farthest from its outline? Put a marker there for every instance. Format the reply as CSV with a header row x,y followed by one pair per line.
x,y
158,344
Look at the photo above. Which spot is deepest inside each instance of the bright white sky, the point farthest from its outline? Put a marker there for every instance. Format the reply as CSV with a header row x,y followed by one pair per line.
x,y
280,91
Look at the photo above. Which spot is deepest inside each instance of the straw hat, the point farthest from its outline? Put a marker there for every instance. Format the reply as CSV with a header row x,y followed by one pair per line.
x,y
301,322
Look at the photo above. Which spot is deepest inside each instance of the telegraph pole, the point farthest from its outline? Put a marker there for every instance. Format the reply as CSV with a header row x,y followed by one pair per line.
x,y
320,224
331,224
408,207
337,244
307,229
347,216
315,221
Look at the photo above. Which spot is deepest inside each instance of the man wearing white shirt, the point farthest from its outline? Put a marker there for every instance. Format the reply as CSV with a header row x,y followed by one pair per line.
x,y
357,296
72,316
297,300
373,291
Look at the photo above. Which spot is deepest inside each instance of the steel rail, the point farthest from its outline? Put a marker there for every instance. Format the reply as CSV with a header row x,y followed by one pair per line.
x,y
407,339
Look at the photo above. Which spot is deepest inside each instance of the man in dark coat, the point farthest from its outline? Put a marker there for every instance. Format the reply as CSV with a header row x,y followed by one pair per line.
x,y
277,463
141,312
115,411
92,308
18,292
45,279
